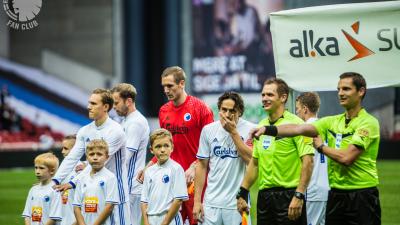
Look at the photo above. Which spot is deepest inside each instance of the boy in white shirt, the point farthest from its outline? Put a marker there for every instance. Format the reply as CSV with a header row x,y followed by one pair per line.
x,y
164,186
43,204
67,196
96,193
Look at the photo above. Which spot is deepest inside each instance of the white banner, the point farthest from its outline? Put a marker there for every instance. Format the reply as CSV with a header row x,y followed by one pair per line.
x,y
313,46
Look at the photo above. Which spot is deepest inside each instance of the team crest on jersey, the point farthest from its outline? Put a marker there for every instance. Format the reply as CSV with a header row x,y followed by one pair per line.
x,y
187,117
267,142
224,152
46,198
165,179
101,183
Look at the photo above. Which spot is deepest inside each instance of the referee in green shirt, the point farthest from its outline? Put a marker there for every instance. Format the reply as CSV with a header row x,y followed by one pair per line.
x,y
283,165
353,143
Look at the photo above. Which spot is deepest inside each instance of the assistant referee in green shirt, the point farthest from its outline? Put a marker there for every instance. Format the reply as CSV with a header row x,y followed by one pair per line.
x,y
353,144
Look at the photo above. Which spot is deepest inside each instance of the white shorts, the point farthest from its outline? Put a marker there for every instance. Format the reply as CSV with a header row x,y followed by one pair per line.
x,y
157,219
219,216
121,213
136,212
316,212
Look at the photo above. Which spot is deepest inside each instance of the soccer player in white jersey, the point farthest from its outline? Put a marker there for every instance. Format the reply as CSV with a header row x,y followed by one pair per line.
x,y
43,204
97,192
223,150
137,133
307,106
102,127
164,185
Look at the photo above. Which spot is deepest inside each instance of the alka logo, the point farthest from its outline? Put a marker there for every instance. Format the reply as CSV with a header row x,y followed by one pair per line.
x,y
324,46
22,13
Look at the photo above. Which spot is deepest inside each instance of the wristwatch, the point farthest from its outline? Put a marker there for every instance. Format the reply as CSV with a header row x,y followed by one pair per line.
x,y
299,195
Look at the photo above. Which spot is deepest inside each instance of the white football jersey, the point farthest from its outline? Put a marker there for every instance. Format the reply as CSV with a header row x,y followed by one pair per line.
x,y
67,197
318,187
162,184
137,133
93,192
112,133
43,203
227,169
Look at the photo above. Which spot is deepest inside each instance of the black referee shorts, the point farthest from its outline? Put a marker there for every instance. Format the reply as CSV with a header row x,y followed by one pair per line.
x,y
273,205
353,207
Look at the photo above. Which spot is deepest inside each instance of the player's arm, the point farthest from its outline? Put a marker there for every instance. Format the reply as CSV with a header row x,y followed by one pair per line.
x,y
78,215
104,214
27,221
50,222
248,180
344,156
199,180
173,210
286,130
296,205
143,207
71,160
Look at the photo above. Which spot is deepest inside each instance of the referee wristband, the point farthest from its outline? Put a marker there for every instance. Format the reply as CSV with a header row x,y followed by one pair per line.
x,y
320,148
243,193
271,130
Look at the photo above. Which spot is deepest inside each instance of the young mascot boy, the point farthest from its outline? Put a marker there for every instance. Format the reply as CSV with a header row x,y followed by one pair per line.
x,y
96,193
43,204
164,186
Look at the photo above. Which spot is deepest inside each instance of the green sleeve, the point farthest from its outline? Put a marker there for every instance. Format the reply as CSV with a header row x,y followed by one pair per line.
x,y
364,134
255,148
303,145
322,126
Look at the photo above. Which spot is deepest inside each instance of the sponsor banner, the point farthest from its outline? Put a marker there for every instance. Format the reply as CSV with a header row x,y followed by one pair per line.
x,y
313,46
232,45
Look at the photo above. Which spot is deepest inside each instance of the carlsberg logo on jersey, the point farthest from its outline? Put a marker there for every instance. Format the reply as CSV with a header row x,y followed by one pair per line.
x,y
224,152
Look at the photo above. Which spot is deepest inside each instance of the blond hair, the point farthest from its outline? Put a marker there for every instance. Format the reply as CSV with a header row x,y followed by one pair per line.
x,y
97,144
160,133
48,159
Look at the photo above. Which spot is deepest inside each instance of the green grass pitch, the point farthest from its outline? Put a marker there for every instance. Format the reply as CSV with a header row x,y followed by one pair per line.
x,y
15,184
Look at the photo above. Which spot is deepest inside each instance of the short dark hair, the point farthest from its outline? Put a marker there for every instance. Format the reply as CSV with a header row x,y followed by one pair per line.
x,y
239,105
106,97
310,100
70,137
125,91
282,89
176,71
358,80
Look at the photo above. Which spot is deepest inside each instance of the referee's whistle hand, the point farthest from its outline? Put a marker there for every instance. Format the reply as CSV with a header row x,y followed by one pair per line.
x,y
295,208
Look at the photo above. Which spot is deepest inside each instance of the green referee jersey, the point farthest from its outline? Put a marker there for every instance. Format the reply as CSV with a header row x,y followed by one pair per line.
x,y
279,158
362,131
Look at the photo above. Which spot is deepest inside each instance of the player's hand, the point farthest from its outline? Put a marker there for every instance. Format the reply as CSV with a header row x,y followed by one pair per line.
x,y
256,132
317,141
198,212
80,167
242,206
295,208
228,124
189,174
140,176
62,187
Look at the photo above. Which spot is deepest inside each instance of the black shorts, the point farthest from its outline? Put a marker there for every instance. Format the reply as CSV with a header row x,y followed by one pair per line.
x,y
273,205
353,207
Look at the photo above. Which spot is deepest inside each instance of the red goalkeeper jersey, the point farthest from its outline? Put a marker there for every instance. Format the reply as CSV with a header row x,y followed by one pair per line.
x,y
185,122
